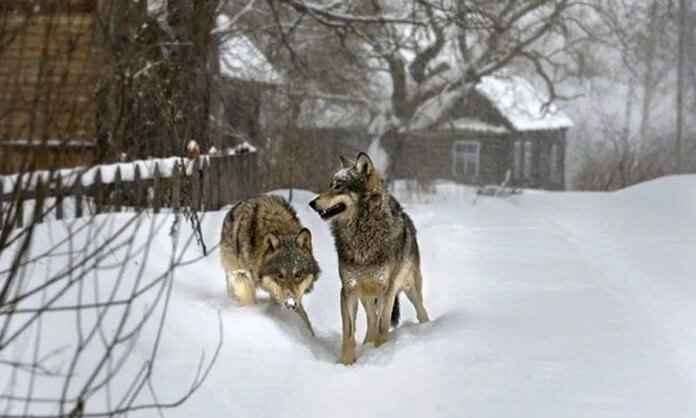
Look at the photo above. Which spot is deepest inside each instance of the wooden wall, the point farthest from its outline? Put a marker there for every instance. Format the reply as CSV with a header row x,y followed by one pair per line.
x,y
47,78
428,157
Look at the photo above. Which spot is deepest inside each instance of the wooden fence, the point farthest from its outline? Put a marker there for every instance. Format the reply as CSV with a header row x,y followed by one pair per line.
x,y
202,184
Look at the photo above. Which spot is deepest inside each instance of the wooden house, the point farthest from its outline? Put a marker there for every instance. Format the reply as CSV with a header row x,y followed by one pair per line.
x,y
502,125
47,83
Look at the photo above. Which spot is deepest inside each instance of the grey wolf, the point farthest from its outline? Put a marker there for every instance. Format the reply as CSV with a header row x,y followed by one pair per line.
x,y
263,245
378,254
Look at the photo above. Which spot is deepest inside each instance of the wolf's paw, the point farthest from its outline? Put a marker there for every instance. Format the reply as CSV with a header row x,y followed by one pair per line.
x,y
346,359
381,339
347,354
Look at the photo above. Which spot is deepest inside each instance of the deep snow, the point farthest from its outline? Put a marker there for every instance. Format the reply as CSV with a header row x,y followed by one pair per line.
x,y
542,305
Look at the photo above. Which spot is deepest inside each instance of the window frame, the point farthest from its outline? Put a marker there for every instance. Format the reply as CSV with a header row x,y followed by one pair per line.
x,y
468,157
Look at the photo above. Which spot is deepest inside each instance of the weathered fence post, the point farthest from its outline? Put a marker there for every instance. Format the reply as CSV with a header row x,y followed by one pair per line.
x,y
214,183
59,197
78,191
196,185
157,190
137,189
98,192
40,195
20,204
2,201
117,190
236,178
176,187
207,185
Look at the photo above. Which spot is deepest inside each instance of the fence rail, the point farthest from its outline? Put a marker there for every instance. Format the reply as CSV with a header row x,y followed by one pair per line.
x,y
202,184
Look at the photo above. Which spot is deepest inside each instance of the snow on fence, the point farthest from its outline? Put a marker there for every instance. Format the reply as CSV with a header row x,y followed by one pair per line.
x,y
201,184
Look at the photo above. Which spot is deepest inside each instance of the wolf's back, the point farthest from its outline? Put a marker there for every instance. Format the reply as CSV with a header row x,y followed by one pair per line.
x,y
249,221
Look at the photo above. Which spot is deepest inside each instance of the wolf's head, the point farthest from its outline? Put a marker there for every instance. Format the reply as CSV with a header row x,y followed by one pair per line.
x,y
355,181
289,269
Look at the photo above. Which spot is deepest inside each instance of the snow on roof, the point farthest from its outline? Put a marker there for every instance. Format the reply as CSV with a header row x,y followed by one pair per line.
x,y
474,125
324,113
521,104
241,59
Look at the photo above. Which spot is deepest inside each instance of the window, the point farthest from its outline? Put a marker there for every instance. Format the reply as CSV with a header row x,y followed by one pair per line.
x,y
527,168
555,164
465,158
517,160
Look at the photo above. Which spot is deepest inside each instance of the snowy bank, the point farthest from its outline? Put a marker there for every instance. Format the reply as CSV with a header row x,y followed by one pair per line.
x,y
542,305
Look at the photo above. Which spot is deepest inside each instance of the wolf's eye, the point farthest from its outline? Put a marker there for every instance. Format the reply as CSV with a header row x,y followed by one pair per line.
x,y
279,276
298,275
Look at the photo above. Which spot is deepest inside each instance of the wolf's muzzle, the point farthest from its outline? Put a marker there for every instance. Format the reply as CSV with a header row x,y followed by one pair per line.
x,y
290,302
313,203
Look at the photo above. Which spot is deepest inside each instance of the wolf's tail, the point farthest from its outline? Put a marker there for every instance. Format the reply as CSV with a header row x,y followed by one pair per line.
x,y
396,312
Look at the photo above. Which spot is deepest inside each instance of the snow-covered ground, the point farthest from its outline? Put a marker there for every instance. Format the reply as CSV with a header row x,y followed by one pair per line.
x,y
542,305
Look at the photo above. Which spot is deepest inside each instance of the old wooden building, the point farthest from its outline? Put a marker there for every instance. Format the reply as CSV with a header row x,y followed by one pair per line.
x,y
502,126
47,83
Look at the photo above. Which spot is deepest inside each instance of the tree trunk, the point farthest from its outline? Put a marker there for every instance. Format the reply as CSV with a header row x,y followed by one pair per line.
x,y
680,84
191,23
648,80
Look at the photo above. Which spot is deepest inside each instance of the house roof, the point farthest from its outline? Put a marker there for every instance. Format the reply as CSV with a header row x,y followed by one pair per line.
x,y
472,125
241,59
521,104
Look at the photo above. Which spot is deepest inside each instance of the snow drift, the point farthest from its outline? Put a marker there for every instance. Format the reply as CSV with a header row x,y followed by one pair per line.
x,y
542,305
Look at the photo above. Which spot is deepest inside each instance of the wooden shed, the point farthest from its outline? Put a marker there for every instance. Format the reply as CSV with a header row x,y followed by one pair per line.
x,y
47,83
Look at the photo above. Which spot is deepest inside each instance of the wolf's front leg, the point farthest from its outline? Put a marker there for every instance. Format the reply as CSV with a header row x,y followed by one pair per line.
x,y
349,307
241,284
303,314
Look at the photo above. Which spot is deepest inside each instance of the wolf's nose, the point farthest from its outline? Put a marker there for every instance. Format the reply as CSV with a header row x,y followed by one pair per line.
x,y
290,303
313,203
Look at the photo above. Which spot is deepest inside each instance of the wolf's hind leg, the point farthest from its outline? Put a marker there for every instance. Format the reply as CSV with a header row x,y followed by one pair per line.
x,y
370,306
414,291
387,305
241,284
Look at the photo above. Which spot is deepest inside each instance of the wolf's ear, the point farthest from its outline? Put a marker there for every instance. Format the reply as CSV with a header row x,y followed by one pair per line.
x,y
364,164
273,242
304,240
346,163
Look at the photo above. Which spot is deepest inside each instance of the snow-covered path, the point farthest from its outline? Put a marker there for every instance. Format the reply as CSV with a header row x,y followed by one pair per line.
x,y
543,305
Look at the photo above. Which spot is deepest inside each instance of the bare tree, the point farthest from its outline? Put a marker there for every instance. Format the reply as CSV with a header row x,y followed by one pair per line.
x,y
420,57
82,307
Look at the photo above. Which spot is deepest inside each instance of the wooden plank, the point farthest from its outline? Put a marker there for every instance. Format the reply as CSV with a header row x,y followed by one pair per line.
x,y
196,185
98,191
2,204
38,214
247,174
235,178
206,185
137,189
59,197
157,190
117,191
176,188
215,183
78,192
229,181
